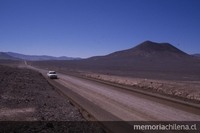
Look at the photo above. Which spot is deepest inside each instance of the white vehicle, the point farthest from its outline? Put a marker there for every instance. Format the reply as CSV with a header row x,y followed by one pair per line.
x,y
52,75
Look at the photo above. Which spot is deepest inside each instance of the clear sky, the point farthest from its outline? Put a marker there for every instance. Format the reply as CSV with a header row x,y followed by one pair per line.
x,y
85,28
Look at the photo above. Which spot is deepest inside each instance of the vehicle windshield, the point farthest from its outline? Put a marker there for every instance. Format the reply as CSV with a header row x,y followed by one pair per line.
x,y
52,72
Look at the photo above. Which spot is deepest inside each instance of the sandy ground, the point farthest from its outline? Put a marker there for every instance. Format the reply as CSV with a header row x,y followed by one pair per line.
x,y
28,103
187,90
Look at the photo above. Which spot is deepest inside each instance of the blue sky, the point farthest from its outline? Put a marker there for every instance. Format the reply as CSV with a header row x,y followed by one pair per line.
x,y
85,28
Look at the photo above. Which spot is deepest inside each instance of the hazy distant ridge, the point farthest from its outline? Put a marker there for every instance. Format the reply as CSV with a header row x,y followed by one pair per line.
x,y
4,56
38,57
197,55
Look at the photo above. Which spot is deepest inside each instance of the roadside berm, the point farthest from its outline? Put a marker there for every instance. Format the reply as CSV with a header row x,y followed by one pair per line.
x,y
185,90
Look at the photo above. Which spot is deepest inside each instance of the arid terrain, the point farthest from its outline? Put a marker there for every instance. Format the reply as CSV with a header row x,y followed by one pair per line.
x,y
161,68
147,60
28,103
155,69
172,86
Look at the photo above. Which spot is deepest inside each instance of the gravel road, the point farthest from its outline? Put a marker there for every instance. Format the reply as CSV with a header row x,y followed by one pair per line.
x,y
127,105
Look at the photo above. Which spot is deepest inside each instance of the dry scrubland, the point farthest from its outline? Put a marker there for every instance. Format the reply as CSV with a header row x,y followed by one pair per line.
x,y
25,95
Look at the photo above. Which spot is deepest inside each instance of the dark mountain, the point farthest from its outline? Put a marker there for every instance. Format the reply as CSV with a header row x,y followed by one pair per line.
x,y
152,48
39,57
148,59
146,50
4,56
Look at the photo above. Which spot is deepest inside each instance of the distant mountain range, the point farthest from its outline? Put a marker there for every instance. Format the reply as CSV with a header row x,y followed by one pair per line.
x,y
197,55
17,56
4,56
147,50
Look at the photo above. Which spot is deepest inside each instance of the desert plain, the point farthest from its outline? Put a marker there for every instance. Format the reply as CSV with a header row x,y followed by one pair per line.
x,y
150,67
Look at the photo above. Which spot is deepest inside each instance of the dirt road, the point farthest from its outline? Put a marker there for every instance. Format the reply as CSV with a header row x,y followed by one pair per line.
x,y
109,103
127,105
